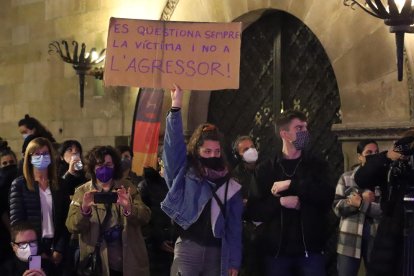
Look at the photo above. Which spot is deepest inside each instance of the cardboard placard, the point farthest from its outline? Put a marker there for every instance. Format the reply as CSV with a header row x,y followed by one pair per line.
x,y
157,54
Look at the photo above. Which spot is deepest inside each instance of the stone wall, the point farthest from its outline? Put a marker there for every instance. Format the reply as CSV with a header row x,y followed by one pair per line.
x,y
362,53
42,85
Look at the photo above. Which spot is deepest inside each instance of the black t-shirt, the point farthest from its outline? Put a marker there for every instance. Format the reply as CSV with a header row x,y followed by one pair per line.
x,y
201,231
292,238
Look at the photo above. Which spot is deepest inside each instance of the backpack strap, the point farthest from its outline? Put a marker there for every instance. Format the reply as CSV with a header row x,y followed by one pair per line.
x,y
221,204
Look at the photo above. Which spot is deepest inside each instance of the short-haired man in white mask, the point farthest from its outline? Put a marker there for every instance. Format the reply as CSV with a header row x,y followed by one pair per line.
x,y
246,154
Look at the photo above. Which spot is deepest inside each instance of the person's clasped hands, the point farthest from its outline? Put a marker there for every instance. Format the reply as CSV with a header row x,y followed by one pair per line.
x,y
290,202
280,186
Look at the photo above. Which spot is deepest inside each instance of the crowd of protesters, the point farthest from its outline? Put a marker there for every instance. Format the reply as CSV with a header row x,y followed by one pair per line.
x,y
192,214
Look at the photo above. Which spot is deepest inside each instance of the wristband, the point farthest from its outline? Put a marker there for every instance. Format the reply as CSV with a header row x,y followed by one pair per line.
x,y
126,213
86,214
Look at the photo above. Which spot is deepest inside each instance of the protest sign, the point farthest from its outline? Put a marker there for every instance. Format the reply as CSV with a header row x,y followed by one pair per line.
x,y
157,54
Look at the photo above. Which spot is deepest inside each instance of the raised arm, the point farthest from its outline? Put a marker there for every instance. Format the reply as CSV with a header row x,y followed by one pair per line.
x,y
174,153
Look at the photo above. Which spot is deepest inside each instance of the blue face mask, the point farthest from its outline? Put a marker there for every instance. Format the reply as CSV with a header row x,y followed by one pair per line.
x,y
104,174
41,162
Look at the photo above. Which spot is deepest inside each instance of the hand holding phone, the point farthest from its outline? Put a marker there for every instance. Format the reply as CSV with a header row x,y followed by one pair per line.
x,y
35,262
105,197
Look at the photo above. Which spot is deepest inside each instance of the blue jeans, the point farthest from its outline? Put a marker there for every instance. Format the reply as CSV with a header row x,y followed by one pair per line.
x,y
193,259
314,265
349,266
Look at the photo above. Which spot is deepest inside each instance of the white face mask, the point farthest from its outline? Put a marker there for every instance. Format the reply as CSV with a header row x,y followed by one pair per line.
x,y
24,254
41,162
25,136
250,155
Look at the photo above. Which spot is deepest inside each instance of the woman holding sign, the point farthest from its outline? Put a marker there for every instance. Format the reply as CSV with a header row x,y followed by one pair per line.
x,y
203,200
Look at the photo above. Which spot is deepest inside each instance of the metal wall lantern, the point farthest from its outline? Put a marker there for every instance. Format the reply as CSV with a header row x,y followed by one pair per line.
x,y
82,62
397,14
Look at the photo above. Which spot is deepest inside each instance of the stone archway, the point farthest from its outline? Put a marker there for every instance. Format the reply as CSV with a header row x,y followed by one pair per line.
x,y
362,54
360,48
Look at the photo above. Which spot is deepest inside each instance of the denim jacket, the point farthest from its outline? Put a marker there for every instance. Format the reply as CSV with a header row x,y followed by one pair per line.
x,y
188,195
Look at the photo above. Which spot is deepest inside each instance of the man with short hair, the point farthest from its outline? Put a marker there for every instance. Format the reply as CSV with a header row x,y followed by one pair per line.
x,y
296,196
24,244
246,155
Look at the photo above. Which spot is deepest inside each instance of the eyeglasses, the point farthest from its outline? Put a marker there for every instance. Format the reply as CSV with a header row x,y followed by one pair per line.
x,y
40,153
23,245
6,163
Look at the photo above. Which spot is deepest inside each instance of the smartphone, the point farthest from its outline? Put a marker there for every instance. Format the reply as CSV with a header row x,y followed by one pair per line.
x,y
105,197
35,262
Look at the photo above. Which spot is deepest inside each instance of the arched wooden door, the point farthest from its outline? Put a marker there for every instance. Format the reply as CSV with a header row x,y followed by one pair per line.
x,y
283,66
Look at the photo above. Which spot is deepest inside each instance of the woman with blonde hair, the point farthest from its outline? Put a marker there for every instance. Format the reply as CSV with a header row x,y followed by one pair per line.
x,y
36,197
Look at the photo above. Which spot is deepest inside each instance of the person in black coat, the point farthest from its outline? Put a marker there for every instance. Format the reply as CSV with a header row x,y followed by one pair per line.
x,y
246,154
70,166
160,233
71,174
393,171
36,197
8,172
295,197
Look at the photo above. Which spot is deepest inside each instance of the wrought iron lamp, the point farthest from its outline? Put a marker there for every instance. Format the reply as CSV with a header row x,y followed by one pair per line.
x,y
82,62
398,14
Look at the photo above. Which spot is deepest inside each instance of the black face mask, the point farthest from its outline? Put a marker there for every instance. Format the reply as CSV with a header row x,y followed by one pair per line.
x,y
214,163
9,168
126,164
9,172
